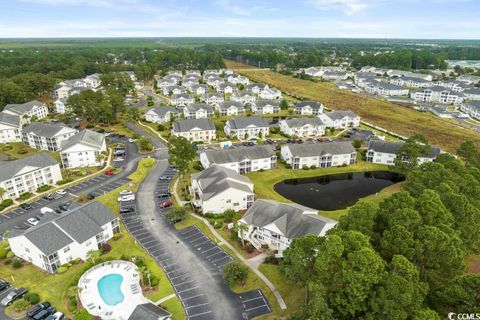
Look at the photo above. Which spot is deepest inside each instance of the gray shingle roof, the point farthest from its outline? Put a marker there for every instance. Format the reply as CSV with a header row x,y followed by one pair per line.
x,y
194,107
239,154
340,114
148,311
87,137
217,179
79,224
182,95
23,107
161,111
10,120
44,129
312,104
10,169
264,103
289,218
393,147
226,104
300,122
311,149
244,122
189,124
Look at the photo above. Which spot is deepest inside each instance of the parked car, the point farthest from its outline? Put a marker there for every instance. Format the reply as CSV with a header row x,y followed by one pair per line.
x,y
3,285
39,307
109,173
56,316
61,192
25,206
131,140
42,315
46,210
165,178
125,192
33,221
48,197
126,198
127,209
166,204
64,206
58,211
90,196
12,296
164,195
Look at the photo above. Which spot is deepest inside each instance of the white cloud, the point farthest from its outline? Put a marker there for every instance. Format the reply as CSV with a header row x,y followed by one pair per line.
x,y
229,6
350,7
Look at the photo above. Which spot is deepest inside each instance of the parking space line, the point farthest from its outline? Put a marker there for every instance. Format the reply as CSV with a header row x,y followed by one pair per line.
x,y
198,295
198,305
259,297
178,284
195,287
200,314
263,305
199,244
226,256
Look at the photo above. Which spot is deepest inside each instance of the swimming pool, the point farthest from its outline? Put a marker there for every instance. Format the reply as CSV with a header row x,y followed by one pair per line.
x,y
109,287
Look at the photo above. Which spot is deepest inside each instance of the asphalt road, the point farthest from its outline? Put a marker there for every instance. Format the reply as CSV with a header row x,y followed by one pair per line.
x,y
158,100
98,185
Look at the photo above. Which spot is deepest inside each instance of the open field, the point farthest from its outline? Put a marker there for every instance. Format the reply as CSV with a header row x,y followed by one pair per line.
x,y
444,133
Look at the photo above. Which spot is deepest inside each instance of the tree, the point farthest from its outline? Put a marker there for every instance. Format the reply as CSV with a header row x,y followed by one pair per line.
x,y
357,144
360,217
181,153
93,255
469,153
284,104
243,228
145,144
2,193
177,214
407,156
133,114
235,273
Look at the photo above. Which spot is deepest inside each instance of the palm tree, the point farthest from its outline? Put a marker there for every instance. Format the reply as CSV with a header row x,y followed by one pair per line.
x,y
243,228
2,192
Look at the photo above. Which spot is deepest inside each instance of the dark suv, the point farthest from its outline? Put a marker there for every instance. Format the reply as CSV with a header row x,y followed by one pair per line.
x,y
39,307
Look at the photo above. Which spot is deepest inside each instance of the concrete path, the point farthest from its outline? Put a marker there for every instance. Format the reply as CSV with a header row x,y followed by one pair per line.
x,y
173,295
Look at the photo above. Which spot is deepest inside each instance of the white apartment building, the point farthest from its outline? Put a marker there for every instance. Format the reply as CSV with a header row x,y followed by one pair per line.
x,y
385,89
319,155
242,160
28,174
244,128
230,108
59,239
276,224
238,79
302,127
266,107
171,90
84,149
46,136
246,98
411,82
61,106
218,189
10,128
226,88
195,130
162,114
340,119
198,111
212,98
308,108
27,111
198,89
182,99
385,152
472,108
437,95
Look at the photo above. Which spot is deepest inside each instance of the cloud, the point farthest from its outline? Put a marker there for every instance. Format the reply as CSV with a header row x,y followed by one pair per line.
x,y
229,6
350,7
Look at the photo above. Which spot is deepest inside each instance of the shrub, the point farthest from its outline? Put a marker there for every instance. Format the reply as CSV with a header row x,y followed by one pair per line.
x,y
1,207
161,127
271,260
197,165
135,136
117,236
357,144
106,248
124,257
7,147
32,297
274,130
43,188
3,253
249,248
101,130
83,315
265,246
7,261
64,181
22,151
10,254
89,126
288,166
313,166
234,273
218,224
7,202
305,168
17,263
21,305
62,269
25,195
154,281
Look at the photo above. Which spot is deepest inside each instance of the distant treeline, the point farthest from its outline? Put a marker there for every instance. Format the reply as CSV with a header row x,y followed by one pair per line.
x,y
403,59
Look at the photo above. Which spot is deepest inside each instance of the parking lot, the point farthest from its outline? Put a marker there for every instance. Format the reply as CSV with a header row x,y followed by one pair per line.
x,y
78,188
3,294
254,304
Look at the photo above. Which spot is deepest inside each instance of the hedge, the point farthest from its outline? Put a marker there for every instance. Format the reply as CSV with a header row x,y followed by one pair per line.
x,y
64,181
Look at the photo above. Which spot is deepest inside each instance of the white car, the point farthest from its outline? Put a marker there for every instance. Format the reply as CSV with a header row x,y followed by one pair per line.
x,y
33,221
131,140
125,192
46,210
129,197
58,315
61,192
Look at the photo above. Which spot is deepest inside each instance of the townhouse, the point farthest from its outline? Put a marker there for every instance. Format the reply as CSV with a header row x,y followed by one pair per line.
x,y
214,81
84,149
212,98
162,114
190,81
270,93
175,89
61,106
276,224
309,108
28,174
198,111
59,239
195,130
340,119
469,79
182,99
266,107
411,82
230,108
175,78
27,111
437,95
454,85
93,80
46,136
336,75
198,89
385,152
256,87
385,89
401,73
246,98
210,73
471,94
226,88
242,160
244,128
302,127
195,73
319,155
165,82
10,128
218,189
237,79
472,108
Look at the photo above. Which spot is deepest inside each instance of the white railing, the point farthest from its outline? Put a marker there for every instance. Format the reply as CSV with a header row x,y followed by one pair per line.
x,y
254,241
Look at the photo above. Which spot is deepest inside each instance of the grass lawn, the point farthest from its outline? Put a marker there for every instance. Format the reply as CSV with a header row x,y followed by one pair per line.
x,y
264,182
20,150
444,133
292,295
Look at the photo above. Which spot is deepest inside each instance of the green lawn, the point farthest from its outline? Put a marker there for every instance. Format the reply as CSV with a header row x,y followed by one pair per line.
x,y
20,150
54,287
265,181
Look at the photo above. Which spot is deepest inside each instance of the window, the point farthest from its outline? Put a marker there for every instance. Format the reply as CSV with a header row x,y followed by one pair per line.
x,y
66,249
27,250
229,201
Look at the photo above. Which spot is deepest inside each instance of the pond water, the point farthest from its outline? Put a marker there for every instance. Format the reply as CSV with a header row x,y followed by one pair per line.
x,y
336,191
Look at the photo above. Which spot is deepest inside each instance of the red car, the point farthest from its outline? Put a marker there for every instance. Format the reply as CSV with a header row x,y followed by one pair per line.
x,y
109,173
166,204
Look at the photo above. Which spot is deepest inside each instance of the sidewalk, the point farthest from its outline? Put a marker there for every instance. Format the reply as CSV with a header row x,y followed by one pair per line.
x,y
151,130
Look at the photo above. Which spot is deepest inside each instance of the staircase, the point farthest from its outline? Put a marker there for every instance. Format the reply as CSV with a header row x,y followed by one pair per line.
x,y
253,240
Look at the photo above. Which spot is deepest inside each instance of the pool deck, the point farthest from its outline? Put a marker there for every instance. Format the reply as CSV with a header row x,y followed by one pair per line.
x,y
130,287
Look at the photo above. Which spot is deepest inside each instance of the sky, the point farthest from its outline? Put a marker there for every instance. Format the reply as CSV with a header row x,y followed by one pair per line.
x,y
425,19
